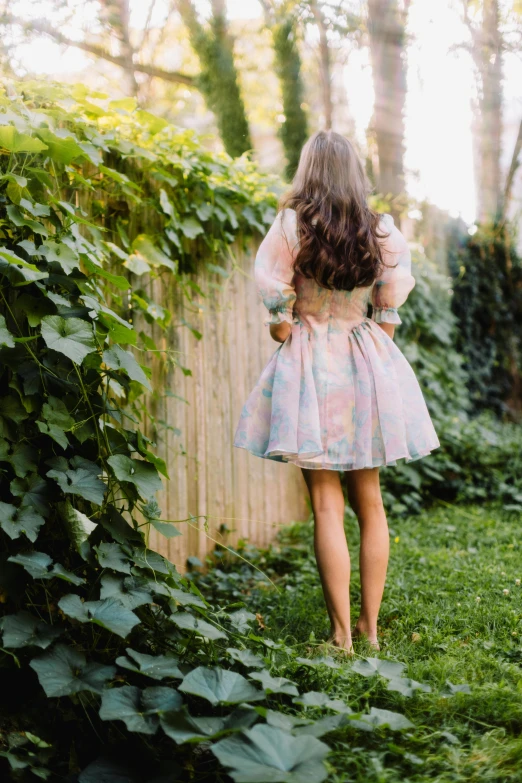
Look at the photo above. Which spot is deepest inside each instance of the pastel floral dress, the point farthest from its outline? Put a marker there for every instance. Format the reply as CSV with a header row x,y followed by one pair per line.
x,y
338,394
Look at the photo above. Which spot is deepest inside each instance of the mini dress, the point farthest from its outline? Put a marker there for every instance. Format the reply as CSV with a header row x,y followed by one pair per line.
x,y
338,394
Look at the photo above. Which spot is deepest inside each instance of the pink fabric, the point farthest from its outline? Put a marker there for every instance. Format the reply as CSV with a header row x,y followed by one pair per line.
x,y
338,393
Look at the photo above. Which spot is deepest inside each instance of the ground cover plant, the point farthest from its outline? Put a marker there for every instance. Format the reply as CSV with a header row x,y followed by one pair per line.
x,y
451,631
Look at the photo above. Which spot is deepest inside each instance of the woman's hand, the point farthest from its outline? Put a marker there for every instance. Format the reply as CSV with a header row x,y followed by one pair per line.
x,y
279,332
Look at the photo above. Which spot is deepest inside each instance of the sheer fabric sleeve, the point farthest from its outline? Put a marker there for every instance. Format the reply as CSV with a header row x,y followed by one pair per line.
x,y
273,269
392,287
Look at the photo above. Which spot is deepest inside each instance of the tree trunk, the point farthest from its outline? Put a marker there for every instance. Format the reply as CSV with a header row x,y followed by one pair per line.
x,y
325,63
116,14
387,47
490,105
219,77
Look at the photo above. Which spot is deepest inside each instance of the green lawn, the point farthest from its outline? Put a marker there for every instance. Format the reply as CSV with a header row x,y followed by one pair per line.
x,y
452,614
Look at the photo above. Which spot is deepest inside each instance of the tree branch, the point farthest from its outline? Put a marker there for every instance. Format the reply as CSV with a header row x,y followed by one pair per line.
x,y
43,27
512,171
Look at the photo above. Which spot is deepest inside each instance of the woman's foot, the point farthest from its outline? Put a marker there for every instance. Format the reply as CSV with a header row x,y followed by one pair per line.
x,y
365,634
343,641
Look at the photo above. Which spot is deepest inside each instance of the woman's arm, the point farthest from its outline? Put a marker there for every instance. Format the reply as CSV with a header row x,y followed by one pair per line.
x,y
388,328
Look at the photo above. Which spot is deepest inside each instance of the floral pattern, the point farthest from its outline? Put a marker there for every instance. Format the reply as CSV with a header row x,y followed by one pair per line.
x,y
338,394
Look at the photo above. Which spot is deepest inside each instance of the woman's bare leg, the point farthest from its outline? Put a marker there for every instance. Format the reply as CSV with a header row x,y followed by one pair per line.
x,y
331,550
364,494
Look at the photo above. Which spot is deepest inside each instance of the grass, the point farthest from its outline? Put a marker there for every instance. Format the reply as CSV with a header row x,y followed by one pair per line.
x,y
452,612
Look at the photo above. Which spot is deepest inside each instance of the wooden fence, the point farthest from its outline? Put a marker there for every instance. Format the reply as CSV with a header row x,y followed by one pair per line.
x,y
229,493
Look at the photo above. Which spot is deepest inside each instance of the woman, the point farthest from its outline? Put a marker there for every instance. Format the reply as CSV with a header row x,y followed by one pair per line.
x,y
337,395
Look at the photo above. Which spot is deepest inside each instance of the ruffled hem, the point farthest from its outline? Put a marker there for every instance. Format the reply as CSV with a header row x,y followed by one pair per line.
x,y
337,399
386,315
308,462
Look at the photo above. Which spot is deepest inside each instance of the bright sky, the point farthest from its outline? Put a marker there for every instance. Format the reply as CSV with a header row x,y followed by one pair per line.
x,y
439,158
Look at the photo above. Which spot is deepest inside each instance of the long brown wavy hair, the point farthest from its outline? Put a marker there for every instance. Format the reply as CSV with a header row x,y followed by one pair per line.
x,y
338,233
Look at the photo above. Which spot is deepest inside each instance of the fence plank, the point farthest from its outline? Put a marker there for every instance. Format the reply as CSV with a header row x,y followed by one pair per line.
x,y
208,476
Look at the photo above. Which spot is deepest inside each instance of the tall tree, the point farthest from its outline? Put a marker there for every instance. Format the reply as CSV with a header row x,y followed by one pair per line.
x,y
325,63
282,19
218,80
387,31
487,51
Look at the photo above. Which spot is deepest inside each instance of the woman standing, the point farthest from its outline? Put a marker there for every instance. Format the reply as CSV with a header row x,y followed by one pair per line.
x,y
337,396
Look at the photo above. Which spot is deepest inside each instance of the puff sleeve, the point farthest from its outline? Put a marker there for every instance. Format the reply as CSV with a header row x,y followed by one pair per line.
x,y
392,287
274,270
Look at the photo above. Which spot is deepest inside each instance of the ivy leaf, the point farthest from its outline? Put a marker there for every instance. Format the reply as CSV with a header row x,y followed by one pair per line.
x,y
265,753
83,482
111,555
35,563
17,520
79,526
320,699
142,474
275,684
64,671
23,460
155,666
393,720
60,253
166,529
246,657
109,613
191,227
6,338
132,592
34,308
61,148
241,619
219,686
71,336
188,622
136,264
34,492
181,727
145,247
125,704
370,666
16,217
14,141
117,359
406,686
57,421
24,630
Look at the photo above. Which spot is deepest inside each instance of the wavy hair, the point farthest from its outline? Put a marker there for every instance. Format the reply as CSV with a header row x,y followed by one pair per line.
x,y
338,233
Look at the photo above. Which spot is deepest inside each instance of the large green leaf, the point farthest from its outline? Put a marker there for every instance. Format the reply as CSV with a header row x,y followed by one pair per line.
x,y
139,710
71,336
38,565
379,718
246,657
265,754
56,421
6,338
158,667
14,141
189,622
370,666
24,630
81,480
79,526
275,684
64,671
142,474
118,359
181,727
62,145
220,686
22,519
60,253
131,591
111,555
109,613
406,686
145,247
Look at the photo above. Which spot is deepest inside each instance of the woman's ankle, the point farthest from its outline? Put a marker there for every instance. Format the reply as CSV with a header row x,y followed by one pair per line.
x,y
365,628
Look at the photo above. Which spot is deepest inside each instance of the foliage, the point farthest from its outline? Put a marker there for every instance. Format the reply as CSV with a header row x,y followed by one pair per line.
x,y
219,80
294,128
488,304
479,458
112,664
450,630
